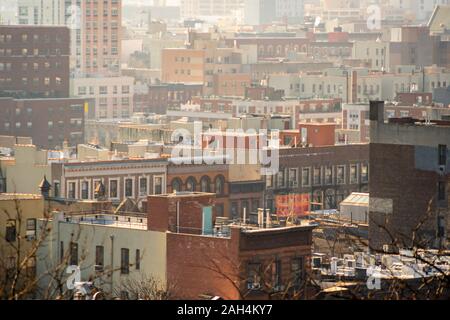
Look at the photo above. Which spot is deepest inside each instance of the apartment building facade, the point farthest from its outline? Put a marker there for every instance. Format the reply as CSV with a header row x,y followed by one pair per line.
x,y
41,12
34,61
120,179
49,122
113,96
326,175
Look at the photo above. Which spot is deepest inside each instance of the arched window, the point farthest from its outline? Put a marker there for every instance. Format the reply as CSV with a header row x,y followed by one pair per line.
x,y
220,185
176,184
191,184
205,184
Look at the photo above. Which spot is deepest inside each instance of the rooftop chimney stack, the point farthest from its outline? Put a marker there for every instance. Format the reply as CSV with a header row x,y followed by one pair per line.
x,y
377,111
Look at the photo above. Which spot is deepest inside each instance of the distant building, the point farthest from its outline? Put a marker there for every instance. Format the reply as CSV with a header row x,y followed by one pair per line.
x,y
112,96
260,12
325,175
34,61
126,178
196,8
50,122
41,12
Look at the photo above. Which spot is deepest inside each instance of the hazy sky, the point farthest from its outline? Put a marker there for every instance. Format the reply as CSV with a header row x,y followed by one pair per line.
x,y
147,2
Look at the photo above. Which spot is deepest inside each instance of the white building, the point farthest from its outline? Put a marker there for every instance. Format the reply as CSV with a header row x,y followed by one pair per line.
x,y
258,12
41,12
113,95
196,8
110,252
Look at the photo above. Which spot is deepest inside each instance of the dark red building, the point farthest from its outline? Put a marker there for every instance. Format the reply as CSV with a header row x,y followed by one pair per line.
x,y
158,98
34,61
49,122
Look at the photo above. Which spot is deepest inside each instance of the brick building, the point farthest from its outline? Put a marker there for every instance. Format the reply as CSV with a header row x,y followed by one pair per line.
x,y
327,175
206,257
231,84
183,66
272,46
34,61
158,98
409,178
201,178
48,121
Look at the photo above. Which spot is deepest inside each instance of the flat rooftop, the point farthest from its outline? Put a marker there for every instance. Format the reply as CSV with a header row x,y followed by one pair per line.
x,y
19,196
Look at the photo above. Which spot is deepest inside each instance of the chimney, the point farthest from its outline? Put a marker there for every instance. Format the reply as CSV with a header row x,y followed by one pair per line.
x,y
377,111
45,187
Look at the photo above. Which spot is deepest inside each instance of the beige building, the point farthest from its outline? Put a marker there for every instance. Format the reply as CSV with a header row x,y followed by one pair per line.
x,y
26,169
376,53
18,225
113,95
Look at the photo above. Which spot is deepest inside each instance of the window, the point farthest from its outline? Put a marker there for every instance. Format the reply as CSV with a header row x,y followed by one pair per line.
x,y
205,184
11,232
253,276
85,190
73,254
442,191
353,173
138,259
191,184
31,228
219,210
317,176
176,184
142,186
99,258
306,180
276,275
157,185
293,177
56,189
61,251
220,185
71,193
340,176
128,188
328,175
280,178
364,173
113,192
297,271
442,149
124,261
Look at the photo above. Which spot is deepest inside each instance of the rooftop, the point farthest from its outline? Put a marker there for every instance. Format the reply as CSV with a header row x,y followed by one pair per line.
x,y
124,220
19,196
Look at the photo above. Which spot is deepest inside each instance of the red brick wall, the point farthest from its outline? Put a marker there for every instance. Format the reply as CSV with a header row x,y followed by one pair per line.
x,y
218,266
320,135
201,265
162,212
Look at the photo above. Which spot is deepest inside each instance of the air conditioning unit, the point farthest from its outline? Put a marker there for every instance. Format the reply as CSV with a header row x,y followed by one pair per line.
x,y
98,268
254,286
442,170
30,237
